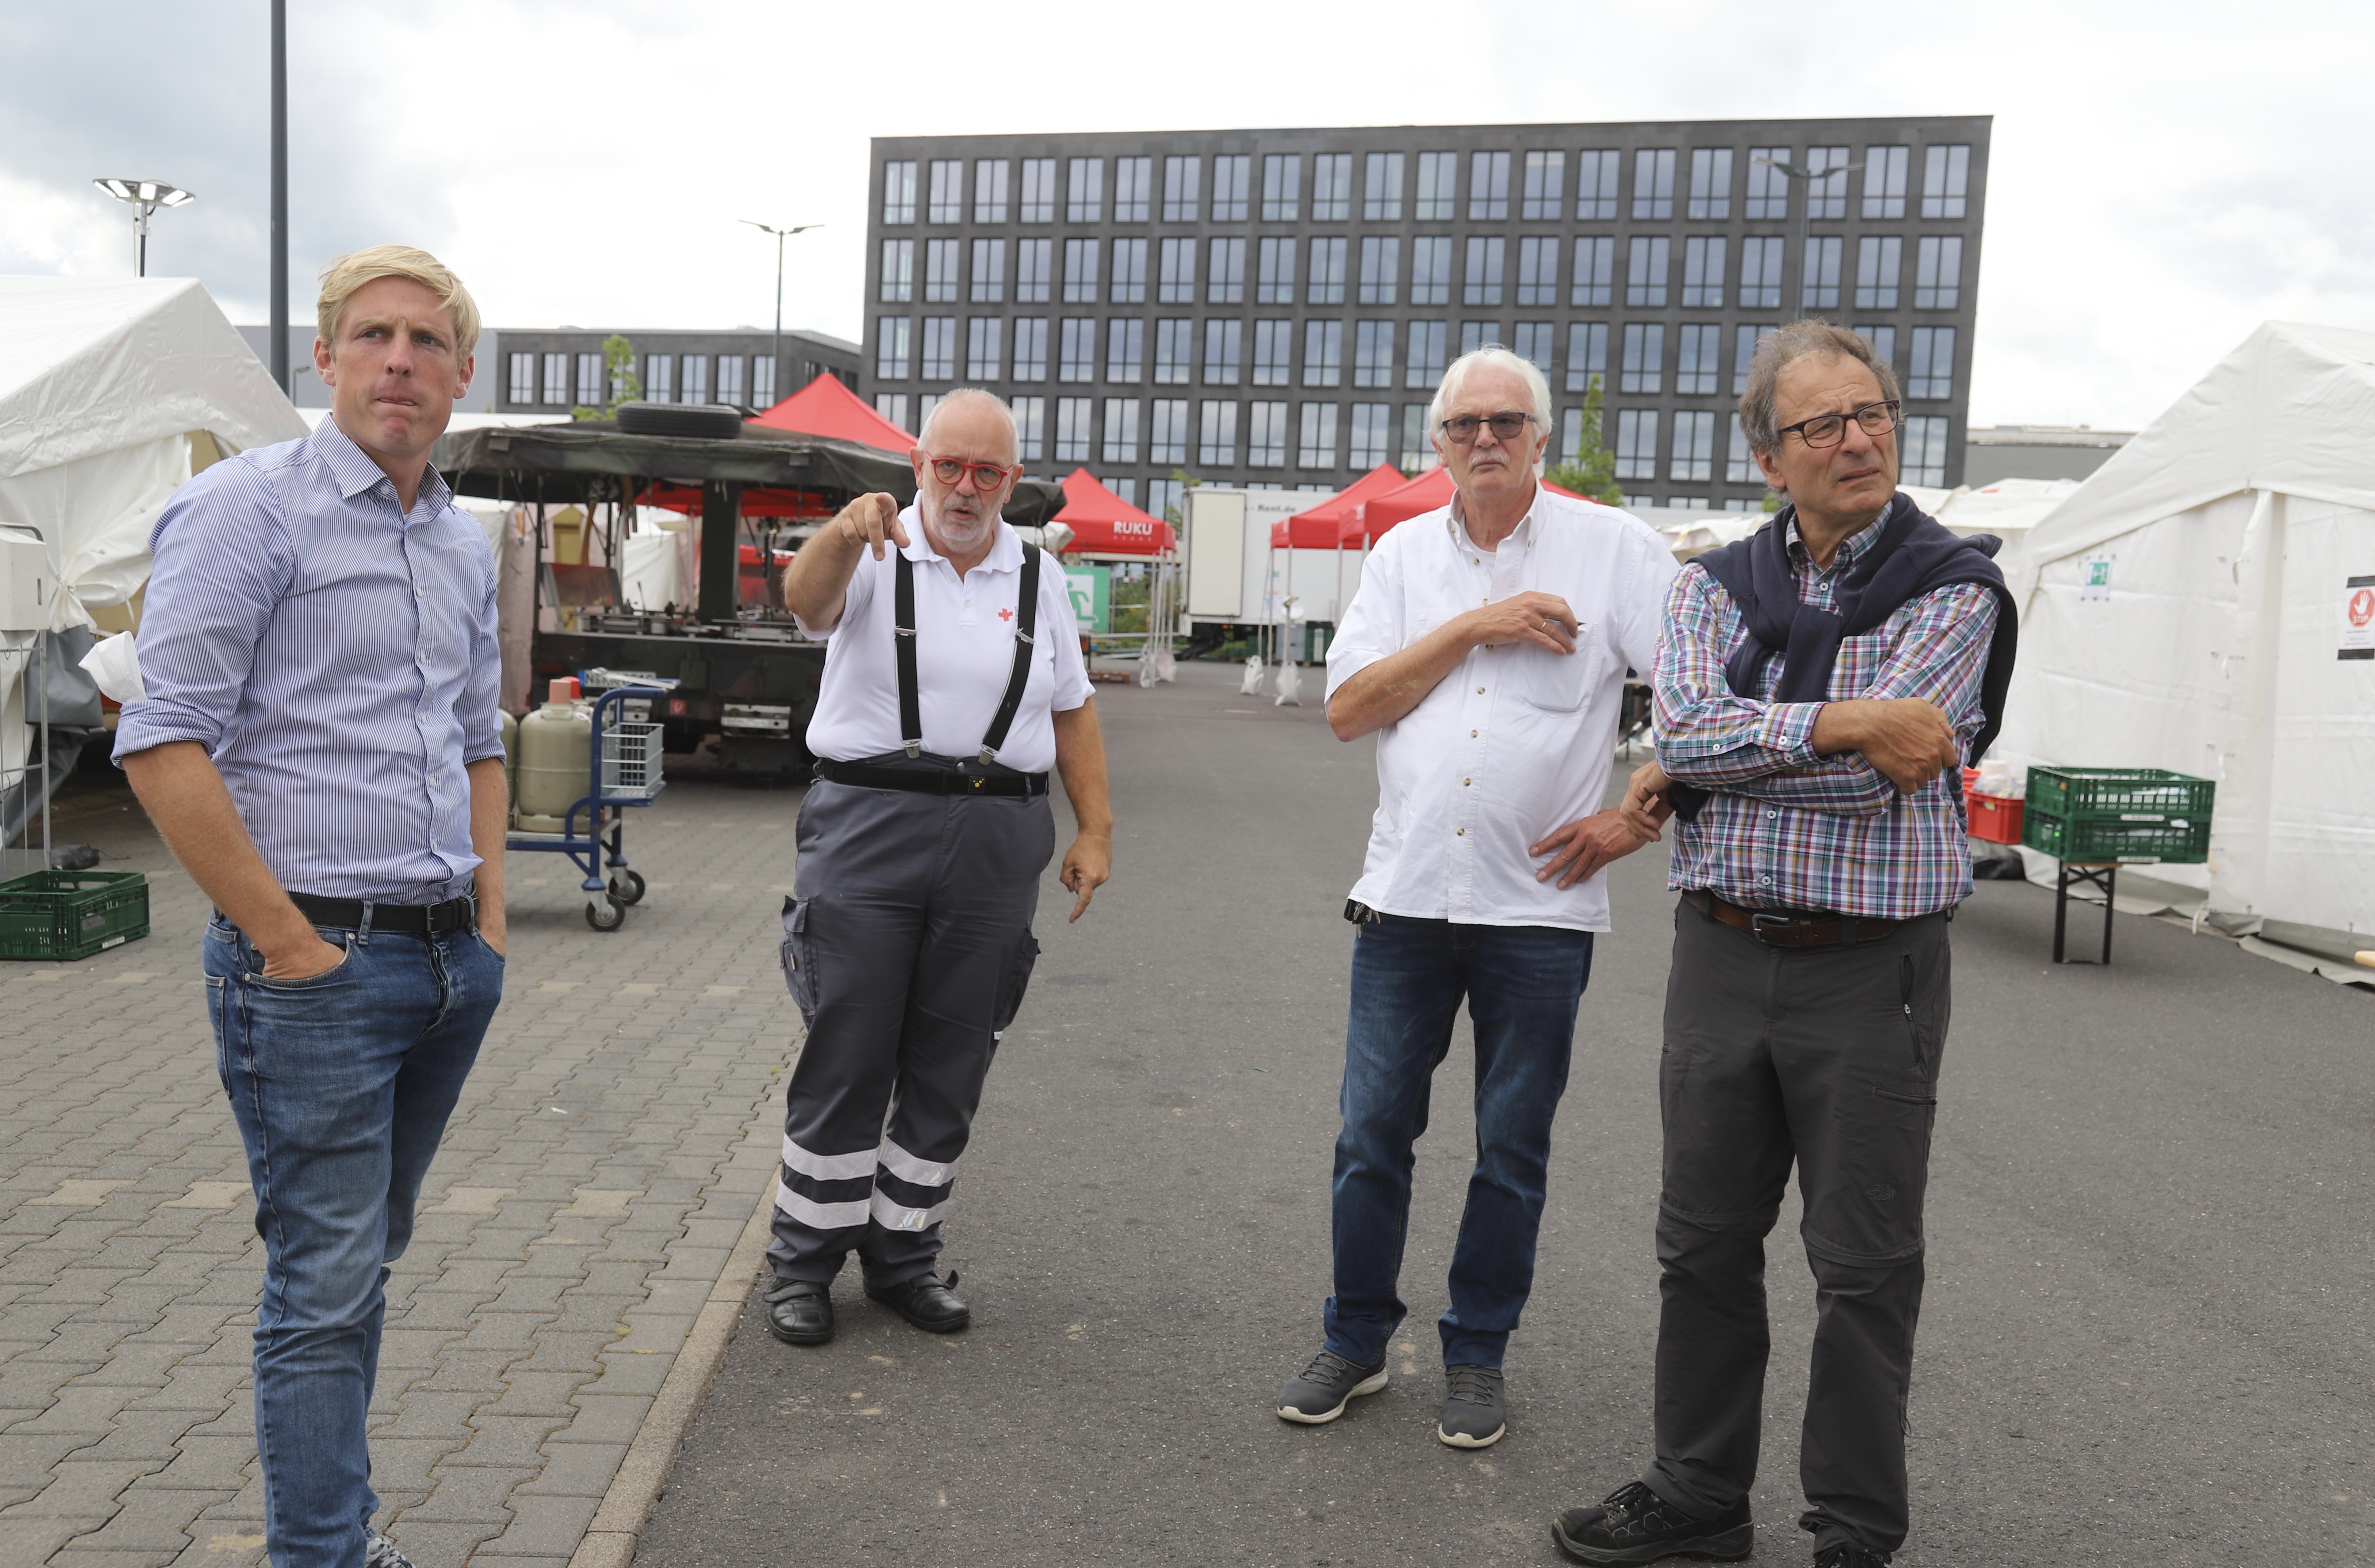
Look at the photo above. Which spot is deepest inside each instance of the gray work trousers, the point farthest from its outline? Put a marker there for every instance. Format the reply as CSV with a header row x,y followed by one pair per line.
x,y
1827,1057
908,947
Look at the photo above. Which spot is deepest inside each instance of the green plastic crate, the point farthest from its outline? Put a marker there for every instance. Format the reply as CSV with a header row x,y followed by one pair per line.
x,y
2180,841
71,914
2123,795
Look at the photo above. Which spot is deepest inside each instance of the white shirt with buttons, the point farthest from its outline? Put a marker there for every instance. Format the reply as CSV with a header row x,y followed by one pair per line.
x,y
1517,741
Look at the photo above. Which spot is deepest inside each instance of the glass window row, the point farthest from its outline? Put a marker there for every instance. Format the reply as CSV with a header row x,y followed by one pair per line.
x,y
584,380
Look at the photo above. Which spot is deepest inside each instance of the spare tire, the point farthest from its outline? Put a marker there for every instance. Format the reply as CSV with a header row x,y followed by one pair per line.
x,y
679,419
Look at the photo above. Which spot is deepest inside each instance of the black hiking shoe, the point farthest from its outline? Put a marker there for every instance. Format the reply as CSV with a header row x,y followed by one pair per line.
x,y
1474,1414
1847,1554
1636,1524
1319,1393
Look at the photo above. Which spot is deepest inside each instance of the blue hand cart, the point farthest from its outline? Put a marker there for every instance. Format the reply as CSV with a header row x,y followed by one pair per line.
x,y
623,769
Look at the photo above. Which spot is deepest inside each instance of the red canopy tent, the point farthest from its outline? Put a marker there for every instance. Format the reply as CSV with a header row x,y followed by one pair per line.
x,y
1429,491
1103,524
1322,527
825,407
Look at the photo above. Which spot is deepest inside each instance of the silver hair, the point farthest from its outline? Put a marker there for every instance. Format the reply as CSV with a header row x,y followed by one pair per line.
x,y
1776,350
1492,356
1013,432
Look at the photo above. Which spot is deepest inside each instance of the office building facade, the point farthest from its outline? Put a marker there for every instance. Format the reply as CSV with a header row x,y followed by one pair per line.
x,y
1275,308
551,370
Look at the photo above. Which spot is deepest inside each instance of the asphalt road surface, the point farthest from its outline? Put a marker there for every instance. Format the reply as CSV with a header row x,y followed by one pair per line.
x,y
2145,1340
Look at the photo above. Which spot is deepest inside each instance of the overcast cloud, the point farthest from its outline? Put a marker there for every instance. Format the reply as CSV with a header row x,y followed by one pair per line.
x,y
2165,176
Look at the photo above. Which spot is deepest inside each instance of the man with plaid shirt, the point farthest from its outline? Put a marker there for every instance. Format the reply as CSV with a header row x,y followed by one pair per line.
x,y
1819,686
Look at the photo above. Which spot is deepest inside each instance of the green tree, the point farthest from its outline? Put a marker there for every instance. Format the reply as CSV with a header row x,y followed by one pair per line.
x,y
1590,471
619,370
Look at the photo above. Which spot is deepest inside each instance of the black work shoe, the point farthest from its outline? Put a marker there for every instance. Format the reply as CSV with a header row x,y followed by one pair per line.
x,y
1474,1415
800,1312
1849,1554
926,1301
1320,1391
1636,1524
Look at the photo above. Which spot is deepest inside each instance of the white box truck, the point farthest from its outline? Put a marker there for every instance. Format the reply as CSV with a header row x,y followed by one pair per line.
x,y
1288,600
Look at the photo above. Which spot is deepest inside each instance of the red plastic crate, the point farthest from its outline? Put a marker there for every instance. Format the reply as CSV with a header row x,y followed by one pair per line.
x,y
1995,818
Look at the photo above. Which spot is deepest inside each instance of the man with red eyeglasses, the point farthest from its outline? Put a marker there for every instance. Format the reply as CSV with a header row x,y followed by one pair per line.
x,y
952,683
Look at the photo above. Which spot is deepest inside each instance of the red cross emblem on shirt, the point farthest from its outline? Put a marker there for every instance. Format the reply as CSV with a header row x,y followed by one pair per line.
x,y
1006,615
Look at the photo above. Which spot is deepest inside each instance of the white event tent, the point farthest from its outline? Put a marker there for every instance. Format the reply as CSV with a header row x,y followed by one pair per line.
x,y
2190,607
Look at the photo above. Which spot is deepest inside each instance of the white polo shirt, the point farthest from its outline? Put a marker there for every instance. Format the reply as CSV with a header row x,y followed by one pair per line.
x,y
964,653
1517,740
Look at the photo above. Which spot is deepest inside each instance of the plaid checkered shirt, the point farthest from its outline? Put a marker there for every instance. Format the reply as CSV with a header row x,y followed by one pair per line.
x,y
1785,828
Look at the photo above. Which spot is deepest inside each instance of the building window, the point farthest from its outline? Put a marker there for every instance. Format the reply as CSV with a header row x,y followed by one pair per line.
x,y
589,380
1438,173
1373,353
1423,366
1653,257
1327,269
1034,269
1127,285
1475,335
1538,273
982,347
1645,358
1038,190
1880,262
1698,359
988,271
1740,465
1232,180
729,378
1224,345
940,272
1316,446
1265,435
1323,353
1274,284
892,406
1031,349
1933,363
1127,488
1945,180
1381,190
1545,192
1703,273
1570,441
1694,449
1488,185
948,191
939,351
1174,345
1163,498
763,382
1225,283
1125,351
1431,270
1084,193
1595,184
1744,354
1073,418
898,271
1938,272
1370,435
1216,439
1535,342
1331,187
899,193
1030,428
1595,270
1826,192
1177,283
1760,272
1418,450
1769,188
1653,182
1586,354
1381,266
990,190
1121,429
1488,258
1924,445
1710,183
1080,272
1170,430
1883,180
1273,353
1181,176
1133,192
659,370
522,379
556,380
1282,187
1636,443
1882,340
1820,290
1076,355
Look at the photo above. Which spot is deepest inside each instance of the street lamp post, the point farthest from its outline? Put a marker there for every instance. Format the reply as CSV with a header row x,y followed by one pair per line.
x,y
775,345
146,196
1805,176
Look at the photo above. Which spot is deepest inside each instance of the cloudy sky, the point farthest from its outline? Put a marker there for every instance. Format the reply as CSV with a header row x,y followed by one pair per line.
x,y
2164,175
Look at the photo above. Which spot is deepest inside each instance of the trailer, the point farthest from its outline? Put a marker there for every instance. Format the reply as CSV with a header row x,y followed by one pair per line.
x,y
1284,602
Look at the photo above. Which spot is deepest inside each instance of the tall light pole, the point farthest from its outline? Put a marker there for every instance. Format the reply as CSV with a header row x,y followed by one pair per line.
x,y
146,196
1805,176
775,347
278,338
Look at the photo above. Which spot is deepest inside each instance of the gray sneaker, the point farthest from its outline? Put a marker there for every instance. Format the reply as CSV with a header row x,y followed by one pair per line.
x,y
380,1553
1319,1394
1474,1414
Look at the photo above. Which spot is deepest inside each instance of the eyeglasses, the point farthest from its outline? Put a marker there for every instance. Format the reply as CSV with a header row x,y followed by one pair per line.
x,y
986,476
1829,429
1505,427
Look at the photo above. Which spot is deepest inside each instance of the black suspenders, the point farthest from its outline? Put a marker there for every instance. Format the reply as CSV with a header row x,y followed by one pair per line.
x,y
902,635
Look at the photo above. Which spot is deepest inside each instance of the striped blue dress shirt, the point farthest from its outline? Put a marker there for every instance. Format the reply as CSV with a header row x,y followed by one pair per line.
x,y
336,658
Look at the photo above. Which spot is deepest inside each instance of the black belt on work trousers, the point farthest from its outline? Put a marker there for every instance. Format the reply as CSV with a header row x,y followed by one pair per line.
x,y
1805,929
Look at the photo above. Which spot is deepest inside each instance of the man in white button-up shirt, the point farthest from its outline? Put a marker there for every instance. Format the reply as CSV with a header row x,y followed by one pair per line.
x,y
1487,650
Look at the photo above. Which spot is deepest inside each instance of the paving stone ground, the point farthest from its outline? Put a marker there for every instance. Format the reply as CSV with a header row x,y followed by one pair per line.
x,y
610,1148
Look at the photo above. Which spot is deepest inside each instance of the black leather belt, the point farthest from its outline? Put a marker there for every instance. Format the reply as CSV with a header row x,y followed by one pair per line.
x,y
930,781
411,919
1806,930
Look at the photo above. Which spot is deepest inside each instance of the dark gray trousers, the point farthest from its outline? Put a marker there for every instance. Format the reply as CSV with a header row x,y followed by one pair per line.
x,y
1826,1058
907,946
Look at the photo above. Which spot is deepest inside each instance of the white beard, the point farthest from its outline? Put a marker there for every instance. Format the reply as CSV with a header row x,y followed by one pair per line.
x,y
957,533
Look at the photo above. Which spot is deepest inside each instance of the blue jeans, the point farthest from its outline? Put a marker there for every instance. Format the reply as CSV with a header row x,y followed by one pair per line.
x,y
341,1085
1522,985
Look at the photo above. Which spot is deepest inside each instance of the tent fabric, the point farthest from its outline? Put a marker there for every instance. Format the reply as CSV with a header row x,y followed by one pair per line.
x,y
1332,524
1103,524
2184,606
1425,493
826,407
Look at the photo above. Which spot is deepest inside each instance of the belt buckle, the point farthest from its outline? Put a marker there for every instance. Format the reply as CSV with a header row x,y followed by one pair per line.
x,y
1758,923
